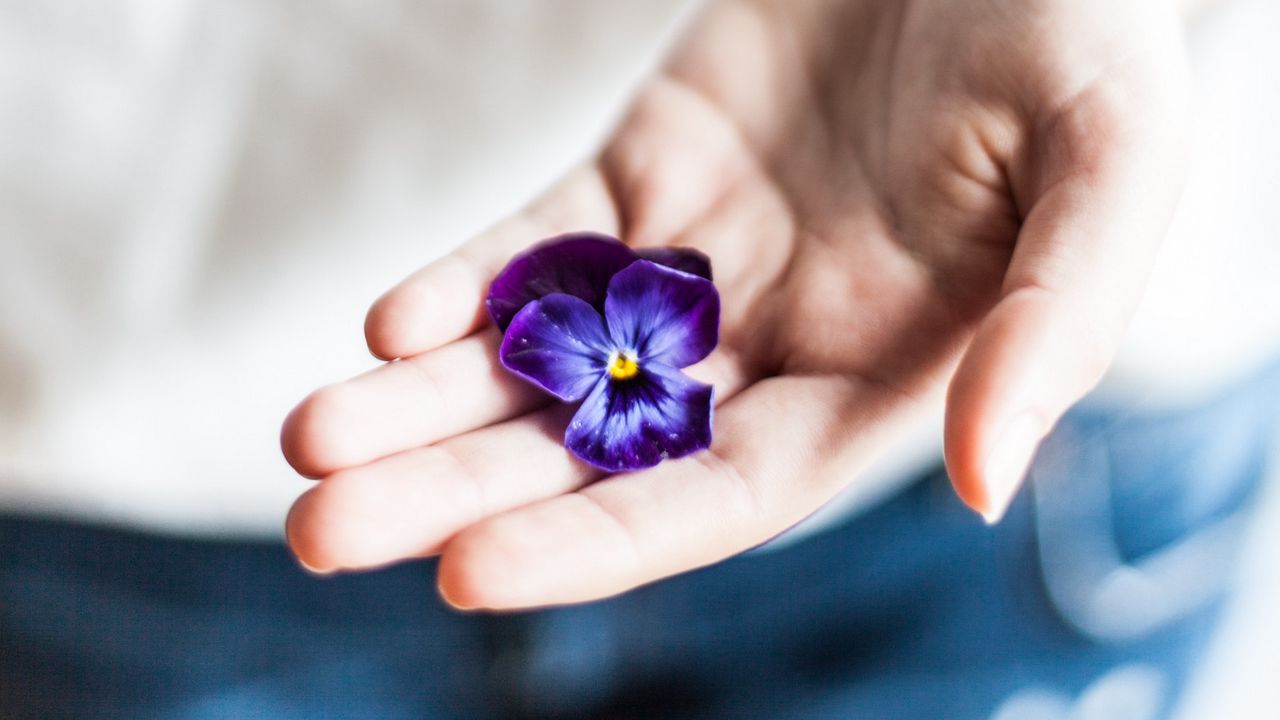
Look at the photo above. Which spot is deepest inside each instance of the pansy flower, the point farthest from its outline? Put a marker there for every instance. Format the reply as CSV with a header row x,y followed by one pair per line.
x,y
588,319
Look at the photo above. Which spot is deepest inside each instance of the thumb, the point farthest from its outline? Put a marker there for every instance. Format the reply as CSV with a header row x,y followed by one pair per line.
x,y
1078,270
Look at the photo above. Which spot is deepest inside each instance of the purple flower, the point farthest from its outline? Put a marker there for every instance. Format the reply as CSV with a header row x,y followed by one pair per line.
x,y
579,264
586,318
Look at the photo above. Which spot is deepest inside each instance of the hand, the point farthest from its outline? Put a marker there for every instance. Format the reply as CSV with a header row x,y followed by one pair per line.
x,y
894,196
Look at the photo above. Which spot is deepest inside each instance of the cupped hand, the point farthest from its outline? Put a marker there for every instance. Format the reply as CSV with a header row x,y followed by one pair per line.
x,y
904,203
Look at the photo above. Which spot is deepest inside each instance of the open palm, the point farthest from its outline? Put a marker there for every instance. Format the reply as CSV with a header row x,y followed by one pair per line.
x,y
897,198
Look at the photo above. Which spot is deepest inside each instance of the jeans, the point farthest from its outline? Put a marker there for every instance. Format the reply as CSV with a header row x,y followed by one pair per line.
x,y
1094,596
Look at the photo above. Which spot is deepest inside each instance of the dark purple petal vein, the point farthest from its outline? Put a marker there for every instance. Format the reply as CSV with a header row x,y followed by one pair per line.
x,y
635,424
559,343
663,315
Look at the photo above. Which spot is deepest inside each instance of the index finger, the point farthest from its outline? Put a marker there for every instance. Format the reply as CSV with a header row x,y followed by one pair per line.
x,y
444,301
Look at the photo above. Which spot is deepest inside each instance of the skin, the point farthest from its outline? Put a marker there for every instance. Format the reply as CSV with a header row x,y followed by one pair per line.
x,y
906,204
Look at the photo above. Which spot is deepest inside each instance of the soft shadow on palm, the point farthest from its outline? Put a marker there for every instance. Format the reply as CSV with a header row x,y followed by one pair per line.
x,y
861,211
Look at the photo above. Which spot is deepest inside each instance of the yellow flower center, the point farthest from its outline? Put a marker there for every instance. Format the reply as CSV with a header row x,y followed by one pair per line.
x,y
623,367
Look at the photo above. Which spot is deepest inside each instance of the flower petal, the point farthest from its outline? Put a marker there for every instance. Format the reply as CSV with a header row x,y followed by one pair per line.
x,y
558,343
682,259
663,315
578,264
635,424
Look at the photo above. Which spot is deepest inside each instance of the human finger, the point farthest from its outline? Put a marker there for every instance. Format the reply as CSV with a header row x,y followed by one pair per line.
x,y
406,504
783,447
1108,182
405,404
444,301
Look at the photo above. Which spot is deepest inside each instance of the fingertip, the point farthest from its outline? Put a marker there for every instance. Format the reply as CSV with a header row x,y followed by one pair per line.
x,y
964,475
1008,460
396,324
1028,363
343,523
459,576
454,585
381,332
970,400
308,549
962,457
294,443
987,473
437,305
484,567
312,437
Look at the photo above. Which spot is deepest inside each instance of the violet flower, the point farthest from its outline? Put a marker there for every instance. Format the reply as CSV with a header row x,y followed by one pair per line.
x,y
587,318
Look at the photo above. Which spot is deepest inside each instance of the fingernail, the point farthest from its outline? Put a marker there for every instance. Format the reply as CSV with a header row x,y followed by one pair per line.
x,y
316,571
1007,463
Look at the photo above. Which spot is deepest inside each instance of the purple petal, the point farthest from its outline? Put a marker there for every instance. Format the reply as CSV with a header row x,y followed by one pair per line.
x,y
637,423
663,315
558,343
682,259
578,264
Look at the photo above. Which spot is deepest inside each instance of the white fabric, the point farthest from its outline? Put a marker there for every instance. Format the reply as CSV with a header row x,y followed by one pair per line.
x,y
1212,311
198,200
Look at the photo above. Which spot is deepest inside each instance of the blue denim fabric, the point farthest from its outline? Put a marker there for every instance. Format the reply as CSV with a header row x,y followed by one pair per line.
x,y
914,610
